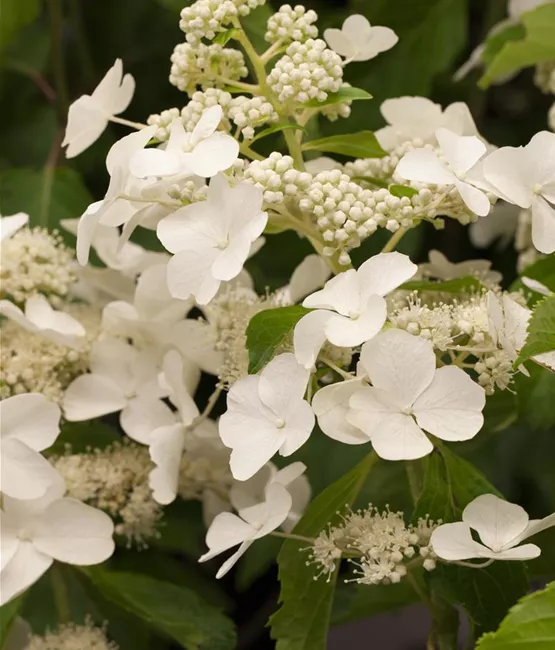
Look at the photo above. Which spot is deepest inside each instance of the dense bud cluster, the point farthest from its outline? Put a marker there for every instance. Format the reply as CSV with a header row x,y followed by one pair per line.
x,y
277,176
71,636
291,24
208,66
307,71
205,18
249,113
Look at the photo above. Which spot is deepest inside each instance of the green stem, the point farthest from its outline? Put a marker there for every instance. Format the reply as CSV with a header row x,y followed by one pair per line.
x,y
297,538
58,68
394,240
61,596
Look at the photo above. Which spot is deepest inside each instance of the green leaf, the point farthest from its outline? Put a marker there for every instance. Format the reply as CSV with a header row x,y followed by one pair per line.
x,y
15,14
256,562
353,602
302,621
537,46
434,500
535,397
370,179
543,270
8,614
457,285
82,436
465,480
529,625
224,37
268,330
174,611
345,94
357,145
255,26
497,40
47,199
276,129
541,331
402,190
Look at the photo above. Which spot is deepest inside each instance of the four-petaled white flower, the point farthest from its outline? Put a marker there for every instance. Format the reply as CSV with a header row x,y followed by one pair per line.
x,y
29,424
409,396
409,118
11,224
461,154
40,318
244,494
39,531
211,239
203,152
438,266
501,525
121,376
357,40
525,176
351,308
89,115
266,414
229,530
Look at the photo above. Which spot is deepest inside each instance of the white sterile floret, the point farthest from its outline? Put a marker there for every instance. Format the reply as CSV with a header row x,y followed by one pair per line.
x,y
409,396
410,118
307,71
357,40
40,318
508,323
499,226
205,18
351,307
244,494
266,414
461,154
208,66
291,24
9,225
525,176
229,530
501,525
204,152
29,424
120,377
211,240
249,113
37,532
89,115
438,266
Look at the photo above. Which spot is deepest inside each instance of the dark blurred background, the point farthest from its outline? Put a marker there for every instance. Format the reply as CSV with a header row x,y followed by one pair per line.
x,y
56,50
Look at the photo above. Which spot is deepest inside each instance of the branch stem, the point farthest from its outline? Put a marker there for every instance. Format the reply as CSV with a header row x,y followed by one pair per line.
x,y
121,120
394,240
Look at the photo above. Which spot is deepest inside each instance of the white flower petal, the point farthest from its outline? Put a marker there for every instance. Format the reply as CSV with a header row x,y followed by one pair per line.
x,y
310,335
338,42
519,553
190,274
226,531
536,526
400,364
424,166
90,396
155,162
26,474
474,198
208,123
450,408
398,437
331,405
31,419
507,170
11,224
543,225
85,124
461,151
215,154
142,416
385,272
454,542
497,521
24,569
282,384
310,275
349,332
380,40
166,450
341,293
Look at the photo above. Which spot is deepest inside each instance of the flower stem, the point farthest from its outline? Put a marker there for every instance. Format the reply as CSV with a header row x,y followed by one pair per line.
x,y
121,120
61,597
394,240
297,538
337,369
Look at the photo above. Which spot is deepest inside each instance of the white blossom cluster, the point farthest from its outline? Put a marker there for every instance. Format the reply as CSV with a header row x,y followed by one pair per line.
x,y
205,18
291,24
207,66
378,543
72,636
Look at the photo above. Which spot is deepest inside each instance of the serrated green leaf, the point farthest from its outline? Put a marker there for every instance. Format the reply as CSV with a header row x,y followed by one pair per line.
x,y
434,500
346,94
46,199
302,621
174,611
529,625
541,331
537,46
353,602
222,38
457,285
402,190
15,14
357,145
268,330
276,129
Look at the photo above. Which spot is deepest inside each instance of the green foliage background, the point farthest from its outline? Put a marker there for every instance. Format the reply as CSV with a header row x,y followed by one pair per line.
x,y
52,51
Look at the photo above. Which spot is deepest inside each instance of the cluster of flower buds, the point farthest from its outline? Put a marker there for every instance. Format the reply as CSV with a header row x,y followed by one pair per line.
x,y
206,18
291,24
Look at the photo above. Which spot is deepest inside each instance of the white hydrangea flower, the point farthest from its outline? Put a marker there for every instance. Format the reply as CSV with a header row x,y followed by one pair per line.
x,y
418,118
461,154
204,152
29,424
211,240
409,396
228,530
9,225
525,176
89,115
266,414
438,266
40,318
244,494
37,532
121,376
501,525
351,308
357,40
